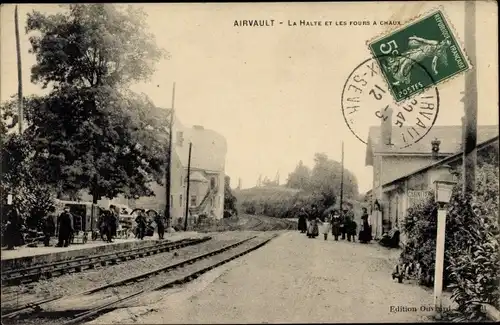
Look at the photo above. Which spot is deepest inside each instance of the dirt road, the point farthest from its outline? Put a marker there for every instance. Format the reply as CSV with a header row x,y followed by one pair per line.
x,y
292,279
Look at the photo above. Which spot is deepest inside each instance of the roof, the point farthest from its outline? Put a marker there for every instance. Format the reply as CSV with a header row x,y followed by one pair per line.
x,y
449,135
446,160
208,151
197,177
209,147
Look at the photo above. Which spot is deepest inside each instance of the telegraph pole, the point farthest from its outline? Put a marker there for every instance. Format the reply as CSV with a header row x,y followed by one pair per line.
x,y
19,74
169,162
342,179
470,101
187,191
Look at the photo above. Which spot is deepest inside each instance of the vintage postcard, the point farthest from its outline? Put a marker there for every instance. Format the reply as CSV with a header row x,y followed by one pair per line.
x,y
215,163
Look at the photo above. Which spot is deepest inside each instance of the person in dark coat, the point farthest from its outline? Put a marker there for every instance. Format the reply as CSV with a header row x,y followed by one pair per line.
x,y
141,225
302,226
161,225
342,216
336,223
109,225
113,221
349,225
102,224
65,225
13,233
49,226
365,235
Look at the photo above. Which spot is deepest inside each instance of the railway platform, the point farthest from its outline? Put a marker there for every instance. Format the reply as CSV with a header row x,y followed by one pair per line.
x,y
27,256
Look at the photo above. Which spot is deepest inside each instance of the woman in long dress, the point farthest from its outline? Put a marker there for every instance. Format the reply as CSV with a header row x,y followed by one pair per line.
x,y
365,235
326,225
302,220
336,222
312,225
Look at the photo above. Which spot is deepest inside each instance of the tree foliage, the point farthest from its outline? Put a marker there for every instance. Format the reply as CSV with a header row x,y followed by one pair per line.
x,y
300,177
324,179
471,244
90,124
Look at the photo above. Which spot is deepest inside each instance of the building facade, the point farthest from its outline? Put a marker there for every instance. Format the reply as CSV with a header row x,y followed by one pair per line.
x,y
206,190
403,176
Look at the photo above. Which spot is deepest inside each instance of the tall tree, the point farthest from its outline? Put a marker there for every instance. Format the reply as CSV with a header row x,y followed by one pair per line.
x,y
90,123
324,179
300,177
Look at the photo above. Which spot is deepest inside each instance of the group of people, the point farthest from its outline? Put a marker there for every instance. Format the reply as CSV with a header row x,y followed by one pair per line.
x,y
314,222
108,223
67,224
142,224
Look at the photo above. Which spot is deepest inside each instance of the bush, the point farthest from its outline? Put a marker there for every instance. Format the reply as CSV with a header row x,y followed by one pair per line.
x,y
420,227
471,262
474,261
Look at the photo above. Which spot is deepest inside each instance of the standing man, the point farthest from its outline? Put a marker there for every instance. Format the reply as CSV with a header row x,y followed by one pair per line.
x,y
161,225
113,221
349,225
65,225
49,226
141,225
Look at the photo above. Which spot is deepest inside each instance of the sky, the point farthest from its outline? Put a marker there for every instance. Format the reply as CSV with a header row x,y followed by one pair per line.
x,y
274,92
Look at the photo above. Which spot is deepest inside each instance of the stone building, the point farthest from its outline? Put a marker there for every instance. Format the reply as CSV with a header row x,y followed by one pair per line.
x,y
401,176
206,192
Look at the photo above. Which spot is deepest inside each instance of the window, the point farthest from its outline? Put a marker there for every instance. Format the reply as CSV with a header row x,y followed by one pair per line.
x,y
171,200
182,181
212,183
180,138
180,200
193,200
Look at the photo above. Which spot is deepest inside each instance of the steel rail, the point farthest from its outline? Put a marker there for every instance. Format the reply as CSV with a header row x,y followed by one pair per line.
x,y
34,273
35,304
181,280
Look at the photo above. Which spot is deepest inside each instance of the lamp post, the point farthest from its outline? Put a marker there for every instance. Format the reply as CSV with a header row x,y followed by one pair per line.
x,y
443,190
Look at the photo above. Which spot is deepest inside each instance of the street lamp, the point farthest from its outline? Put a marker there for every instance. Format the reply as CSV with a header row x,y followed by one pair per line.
x,y
443,190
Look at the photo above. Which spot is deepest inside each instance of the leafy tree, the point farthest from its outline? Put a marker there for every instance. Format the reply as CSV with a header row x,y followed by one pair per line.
x,y
324,179
300,177
229,198
93,132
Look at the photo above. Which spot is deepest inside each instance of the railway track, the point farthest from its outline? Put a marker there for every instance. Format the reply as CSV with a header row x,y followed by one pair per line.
x,y
49,270
130,288
263,223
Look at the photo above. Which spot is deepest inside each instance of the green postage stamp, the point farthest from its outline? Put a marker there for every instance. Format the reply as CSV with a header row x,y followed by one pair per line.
x,y
422,54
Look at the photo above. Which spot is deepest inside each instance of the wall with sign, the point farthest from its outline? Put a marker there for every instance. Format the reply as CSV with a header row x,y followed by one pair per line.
x,y
417,196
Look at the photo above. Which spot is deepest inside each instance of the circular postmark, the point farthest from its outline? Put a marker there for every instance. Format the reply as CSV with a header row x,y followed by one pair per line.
x,y
368,102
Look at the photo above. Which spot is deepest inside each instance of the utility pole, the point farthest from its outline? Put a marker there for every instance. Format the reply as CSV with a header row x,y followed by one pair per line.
x,y
470,101
342,180
168,169
187,192
19,74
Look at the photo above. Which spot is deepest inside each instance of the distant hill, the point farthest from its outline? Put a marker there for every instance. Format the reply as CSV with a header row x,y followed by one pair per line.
x,y
280,201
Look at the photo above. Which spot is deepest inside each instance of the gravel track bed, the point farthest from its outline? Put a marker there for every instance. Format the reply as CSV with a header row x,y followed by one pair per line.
x,y
74,283
246,222
110,294
114,293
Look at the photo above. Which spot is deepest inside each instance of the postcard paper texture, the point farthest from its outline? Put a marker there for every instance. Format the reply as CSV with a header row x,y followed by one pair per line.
x,y
249,162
